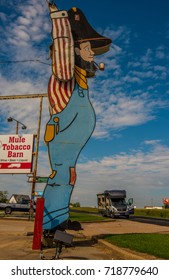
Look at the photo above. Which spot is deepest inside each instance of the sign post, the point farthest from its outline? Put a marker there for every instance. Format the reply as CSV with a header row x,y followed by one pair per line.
x,y
38,224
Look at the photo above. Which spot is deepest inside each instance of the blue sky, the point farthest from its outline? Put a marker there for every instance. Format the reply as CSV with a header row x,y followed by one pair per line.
x,y
130,145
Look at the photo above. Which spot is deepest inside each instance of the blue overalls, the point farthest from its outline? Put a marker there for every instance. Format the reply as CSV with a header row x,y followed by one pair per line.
x,y
71,130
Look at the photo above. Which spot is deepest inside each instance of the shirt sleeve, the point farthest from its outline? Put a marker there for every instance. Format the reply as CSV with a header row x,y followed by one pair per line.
x,y
62,51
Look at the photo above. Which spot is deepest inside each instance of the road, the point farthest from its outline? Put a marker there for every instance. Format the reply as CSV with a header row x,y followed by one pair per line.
x,y
141,219
147,220
16,242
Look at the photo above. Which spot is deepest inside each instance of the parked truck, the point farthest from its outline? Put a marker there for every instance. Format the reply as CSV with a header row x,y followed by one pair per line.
x,y
112,203
10,207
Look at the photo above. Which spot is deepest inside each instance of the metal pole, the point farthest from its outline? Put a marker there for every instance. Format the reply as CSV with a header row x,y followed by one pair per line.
x,y
17,126
8,97
36,153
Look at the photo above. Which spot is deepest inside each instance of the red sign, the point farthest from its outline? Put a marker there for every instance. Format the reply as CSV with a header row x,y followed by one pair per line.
x,y
16,153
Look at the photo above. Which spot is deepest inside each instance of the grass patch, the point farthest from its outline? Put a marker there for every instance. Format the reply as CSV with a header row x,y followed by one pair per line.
x,y
153,244
156,213
85,209
84,217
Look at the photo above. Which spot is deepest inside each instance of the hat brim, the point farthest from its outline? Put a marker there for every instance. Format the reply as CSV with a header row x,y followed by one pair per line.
x,y
98,45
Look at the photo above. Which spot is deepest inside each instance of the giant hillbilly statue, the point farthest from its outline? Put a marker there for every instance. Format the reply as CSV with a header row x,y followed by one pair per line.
x,y
75,43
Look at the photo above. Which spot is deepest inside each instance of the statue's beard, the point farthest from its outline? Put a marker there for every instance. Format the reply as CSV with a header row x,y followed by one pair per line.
x,y
90,67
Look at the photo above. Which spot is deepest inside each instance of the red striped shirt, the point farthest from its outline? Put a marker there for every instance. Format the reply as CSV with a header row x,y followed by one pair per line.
x,y
63,49
59,93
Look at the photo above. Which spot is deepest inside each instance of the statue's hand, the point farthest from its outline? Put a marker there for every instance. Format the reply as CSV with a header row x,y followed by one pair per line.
x,y
52,8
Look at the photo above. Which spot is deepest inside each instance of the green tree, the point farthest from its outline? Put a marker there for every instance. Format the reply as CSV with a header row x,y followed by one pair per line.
x,y
77,204
3,196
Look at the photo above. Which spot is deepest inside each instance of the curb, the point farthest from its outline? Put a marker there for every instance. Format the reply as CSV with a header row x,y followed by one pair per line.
x,y
121,252
126,254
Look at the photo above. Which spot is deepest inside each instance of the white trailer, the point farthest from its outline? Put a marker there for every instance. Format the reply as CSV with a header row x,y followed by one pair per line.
x,y
112,203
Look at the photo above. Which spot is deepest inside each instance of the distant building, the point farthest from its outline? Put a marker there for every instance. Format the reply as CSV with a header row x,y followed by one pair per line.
x,y
19,198
153,207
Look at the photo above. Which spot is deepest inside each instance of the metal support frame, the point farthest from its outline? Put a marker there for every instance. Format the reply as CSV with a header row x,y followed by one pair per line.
x,y
7,97
57,241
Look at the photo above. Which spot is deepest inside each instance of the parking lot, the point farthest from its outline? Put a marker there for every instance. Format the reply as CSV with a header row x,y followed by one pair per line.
x,y
16,240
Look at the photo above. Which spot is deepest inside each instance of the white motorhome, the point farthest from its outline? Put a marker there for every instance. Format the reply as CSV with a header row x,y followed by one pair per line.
x,y
112,203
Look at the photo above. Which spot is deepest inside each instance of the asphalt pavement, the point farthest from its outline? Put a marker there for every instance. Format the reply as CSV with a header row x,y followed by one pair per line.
x,y
16,241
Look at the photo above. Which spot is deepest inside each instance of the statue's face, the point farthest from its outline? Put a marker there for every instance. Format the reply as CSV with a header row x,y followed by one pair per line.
x,y
85,51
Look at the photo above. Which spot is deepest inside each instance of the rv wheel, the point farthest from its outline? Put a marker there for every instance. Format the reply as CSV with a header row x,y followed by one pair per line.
x,y
112,215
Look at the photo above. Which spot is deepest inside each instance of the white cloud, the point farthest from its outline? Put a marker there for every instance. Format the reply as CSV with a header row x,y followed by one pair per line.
x,y
147,57
142,174
24,36
128,95
22,86
3,16
160,52
152,142
120,111
122,33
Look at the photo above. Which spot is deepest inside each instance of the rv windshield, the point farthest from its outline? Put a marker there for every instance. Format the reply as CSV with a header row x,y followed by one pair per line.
x,y
117,201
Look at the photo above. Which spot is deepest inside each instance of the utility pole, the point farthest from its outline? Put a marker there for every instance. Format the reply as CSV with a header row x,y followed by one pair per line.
x,y
35,163
37,136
